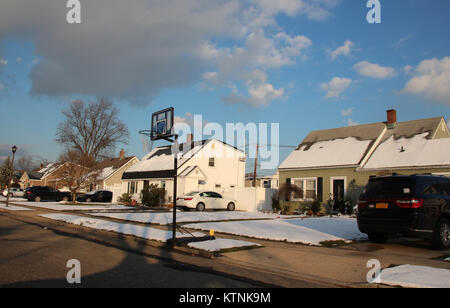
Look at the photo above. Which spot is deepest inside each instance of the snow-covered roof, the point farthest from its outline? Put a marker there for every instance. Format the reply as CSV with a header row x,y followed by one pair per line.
x,y
47,170
417,151
339,152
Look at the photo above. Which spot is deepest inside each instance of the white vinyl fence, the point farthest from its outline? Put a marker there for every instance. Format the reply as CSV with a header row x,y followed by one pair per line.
x,y
251,199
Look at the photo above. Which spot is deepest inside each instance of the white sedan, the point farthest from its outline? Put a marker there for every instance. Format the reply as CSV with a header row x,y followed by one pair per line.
x,y
13,192
201,200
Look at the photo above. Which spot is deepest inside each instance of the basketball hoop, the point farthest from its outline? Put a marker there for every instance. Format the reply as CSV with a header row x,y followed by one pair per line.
x,y
147,142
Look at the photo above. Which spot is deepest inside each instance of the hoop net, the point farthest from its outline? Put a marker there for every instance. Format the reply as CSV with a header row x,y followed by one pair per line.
x,y
147,143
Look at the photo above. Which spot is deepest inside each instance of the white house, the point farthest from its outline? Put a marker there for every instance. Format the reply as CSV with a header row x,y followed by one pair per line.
x,y
202,165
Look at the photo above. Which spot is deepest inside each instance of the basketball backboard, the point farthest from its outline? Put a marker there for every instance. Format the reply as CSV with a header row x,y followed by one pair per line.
x,y
162,124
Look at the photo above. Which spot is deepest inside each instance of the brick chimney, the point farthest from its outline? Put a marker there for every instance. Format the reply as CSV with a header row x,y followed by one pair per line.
x,y
189,138
391,118
122,154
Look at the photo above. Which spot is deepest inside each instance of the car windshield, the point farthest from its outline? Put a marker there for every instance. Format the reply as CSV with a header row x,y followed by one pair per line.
x,y
388,187
192,193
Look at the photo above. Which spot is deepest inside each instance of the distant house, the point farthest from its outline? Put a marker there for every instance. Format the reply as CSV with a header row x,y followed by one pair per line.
x,y
329,162
44,176
268,181
202,165
110,173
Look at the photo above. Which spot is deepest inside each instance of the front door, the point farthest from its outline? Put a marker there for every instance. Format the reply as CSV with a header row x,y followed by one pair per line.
x,y
338,191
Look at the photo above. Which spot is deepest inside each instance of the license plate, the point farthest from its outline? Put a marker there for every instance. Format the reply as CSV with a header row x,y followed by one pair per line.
x,y
382,205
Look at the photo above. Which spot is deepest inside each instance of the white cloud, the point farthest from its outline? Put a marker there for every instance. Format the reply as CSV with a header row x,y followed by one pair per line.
x,y
19,59
313,9
3,62
347,112
336,86
373,70
248,65
350,122
432,80
342,50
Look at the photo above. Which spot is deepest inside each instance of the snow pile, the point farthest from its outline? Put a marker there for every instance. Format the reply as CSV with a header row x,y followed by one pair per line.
x,y
166,218
128,229
221,244
311,231
148,233
338,152
417,151
412,276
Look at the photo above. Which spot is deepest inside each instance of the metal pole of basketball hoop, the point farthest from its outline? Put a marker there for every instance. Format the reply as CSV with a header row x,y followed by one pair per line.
x,y
175,169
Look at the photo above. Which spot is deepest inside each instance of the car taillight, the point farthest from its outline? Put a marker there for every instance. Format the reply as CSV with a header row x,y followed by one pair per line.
x,y
28,192
410,203
188,199
362,204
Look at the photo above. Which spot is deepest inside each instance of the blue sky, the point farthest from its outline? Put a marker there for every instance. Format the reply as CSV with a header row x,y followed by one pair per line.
x,y
306,64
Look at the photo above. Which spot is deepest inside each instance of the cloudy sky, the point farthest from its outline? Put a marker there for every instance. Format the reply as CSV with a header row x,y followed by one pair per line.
x,y
306,64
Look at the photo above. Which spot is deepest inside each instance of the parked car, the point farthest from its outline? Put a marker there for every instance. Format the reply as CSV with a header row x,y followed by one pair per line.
x,y
201,200
13,192
416,205
46,193
96,196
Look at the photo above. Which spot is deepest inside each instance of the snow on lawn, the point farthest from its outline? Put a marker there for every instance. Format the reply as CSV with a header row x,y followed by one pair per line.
x,y
412,276
62,206
13,208
166,218
221,244
129,229
147,232
310,231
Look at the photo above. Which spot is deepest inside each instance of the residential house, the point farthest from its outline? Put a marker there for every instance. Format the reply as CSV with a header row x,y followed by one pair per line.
x,y
267,181
202,165
330,162
110,173
44,176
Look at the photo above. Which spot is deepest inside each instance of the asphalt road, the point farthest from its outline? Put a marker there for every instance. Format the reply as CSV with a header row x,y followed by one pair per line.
x,y
31,256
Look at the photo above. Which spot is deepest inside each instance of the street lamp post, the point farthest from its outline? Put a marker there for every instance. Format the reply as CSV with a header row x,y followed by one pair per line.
x,y
14,149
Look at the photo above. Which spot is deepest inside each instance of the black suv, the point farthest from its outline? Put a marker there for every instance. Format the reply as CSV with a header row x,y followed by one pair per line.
x,y
46,193
96,196
415,205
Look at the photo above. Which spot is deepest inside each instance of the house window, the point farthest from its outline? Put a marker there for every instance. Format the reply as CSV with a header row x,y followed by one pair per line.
x,y
163,184
132,187
218,185
211,162
308,188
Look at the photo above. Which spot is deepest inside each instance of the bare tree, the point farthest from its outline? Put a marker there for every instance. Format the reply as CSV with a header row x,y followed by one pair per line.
x,y
77,171
26,163
92,129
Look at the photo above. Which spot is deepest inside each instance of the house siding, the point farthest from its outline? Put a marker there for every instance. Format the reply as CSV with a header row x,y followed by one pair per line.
x,y
361,177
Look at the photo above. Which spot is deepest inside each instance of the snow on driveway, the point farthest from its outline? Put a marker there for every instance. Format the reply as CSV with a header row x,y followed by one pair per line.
x,y
166,218
312,231
412,276
147,233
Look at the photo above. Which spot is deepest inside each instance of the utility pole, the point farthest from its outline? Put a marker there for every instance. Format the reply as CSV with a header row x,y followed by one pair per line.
x,y
256,164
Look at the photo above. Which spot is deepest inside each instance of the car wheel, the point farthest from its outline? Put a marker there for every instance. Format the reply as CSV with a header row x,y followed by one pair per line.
x,y
37,199
441,235
231,206
200,207
65,199
378,238
88,200
11,195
